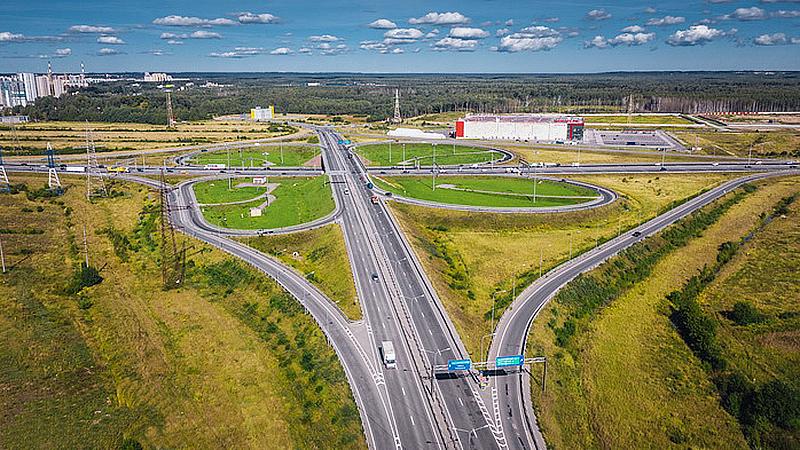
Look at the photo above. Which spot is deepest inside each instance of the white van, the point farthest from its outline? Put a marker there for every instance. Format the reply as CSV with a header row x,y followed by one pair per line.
x,y
389,358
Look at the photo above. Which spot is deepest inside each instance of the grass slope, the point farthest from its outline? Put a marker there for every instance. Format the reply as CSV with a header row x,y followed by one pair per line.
x,y
229,360
293,156
495,191
638,119
297,200
770,144
322,259
468,256
446,154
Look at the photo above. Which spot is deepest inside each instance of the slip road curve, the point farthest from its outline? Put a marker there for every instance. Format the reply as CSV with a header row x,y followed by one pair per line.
x,y
605,197
512,330
187,192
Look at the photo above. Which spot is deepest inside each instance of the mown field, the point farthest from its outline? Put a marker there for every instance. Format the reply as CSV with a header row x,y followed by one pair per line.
x,y
276,156
321,256
445,154
772,144
70,137
469,256
620,376
228,360
487,191
297,200
566,155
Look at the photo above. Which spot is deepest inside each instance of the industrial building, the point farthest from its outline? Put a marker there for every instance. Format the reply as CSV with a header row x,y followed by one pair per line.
x,y
538,127
258,113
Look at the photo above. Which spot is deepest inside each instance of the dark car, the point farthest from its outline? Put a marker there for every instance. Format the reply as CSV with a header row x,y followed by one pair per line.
x,y
637,233
374,277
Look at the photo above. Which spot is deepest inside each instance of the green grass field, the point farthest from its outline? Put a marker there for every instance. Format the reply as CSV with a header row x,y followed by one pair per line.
x,y
656,119
487,191
217,191
293,156
297,200
228,360
626,379
770,144
446,154
321,258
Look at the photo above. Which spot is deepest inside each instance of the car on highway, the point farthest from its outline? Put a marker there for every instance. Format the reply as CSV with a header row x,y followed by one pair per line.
x,y
389,357
637,233
374,276
347,192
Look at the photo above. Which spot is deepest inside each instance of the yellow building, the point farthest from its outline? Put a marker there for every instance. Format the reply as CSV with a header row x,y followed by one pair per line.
x,y
258,113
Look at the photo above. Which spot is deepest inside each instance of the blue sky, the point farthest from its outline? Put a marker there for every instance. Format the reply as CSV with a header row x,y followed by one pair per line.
x,y
400,36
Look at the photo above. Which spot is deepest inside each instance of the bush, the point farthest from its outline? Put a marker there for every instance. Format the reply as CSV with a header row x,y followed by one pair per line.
x,y
743,313
84,277
313,139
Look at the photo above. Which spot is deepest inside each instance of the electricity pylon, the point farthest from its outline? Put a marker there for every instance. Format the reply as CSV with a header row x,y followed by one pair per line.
x,y
53,182
95,184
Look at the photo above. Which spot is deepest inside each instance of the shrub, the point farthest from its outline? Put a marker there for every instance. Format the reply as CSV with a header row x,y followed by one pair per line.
x,y
743,313
84,277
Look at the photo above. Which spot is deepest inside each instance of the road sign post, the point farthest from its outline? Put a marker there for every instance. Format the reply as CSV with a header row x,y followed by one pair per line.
x,y
509,361
458,364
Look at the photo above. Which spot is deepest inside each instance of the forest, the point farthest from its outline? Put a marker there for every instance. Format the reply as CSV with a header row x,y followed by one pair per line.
x,y
372,96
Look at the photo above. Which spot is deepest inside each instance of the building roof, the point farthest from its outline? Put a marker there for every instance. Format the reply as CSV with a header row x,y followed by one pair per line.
x,y
525,118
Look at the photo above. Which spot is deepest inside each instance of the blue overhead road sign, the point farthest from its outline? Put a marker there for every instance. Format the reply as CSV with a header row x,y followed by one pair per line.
x,y
508,361
459,364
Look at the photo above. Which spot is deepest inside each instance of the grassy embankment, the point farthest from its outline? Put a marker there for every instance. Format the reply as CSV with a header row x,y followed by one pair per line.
x,y
293,156
773,144
228,360
446,154
487,191
638,119
297,200
70,137
469,256
619,374
321,258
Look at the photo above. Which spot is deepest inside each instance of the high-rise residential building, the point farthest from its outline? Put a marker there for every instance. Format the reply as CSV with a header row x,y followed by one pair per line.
x,y
29,80
157,77
12,92
43,86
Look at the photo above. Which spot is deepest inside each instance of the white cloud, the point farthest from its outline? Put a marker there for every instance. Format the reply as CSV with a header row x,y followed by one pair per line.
x,y
183,21
784,14
6,36
281,51
502,32
155,52
666,20
403,34
248,17
108,52
205,35
382,24
509,23
634,29
628,39
771,39
598,14
432,34
745,14
538,31
239,52
435,18
110,40
650,10
304,51
174,42
795,40
519,42
468,33
550,19
91,29
63,52
324,38
694,35
461,45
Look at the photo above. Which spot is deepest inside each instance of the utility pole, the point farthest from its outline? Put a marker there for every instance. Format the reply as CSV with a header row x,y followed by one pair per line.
x,y
390,152
541,257
228,149
2,257
53,182
5,186
404,152
281,146
85,246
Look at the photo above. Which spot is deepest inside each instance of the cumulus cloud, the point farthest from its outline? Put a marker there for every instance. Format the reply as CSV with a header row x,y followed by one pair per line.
x,y
205,35
627,39
456,44
239,52
382,24
534,39
650,10
304,51
248,17
634,29
105,51
6,36
746,14
110,40
598,14
281,51
694,35
200,34
155,52
784,14
468,33
502,32
324,38
445,18
184,21
666,20
771,39
402,36
432,34
62,52
91,29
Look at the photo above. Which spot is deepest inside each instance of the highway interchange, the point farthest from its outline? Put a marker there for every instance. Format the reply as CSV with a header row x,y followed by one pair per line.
x,y
407,407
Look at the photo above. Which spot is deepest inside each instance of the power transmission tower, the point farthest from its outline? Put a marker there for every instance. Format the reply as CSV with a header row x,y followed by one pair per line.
x,y
5,186
397,117
171,122
173,258
53,182
95,184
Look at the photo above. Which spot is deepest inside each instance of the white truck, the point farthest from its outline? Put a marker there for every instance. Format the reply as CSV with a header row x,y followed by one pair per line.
x,y
389,358
78,169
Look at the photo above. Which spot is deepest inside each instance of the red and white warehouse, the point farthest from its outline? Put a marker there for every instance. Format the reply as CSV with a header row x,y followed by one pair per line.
x,y
539,127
